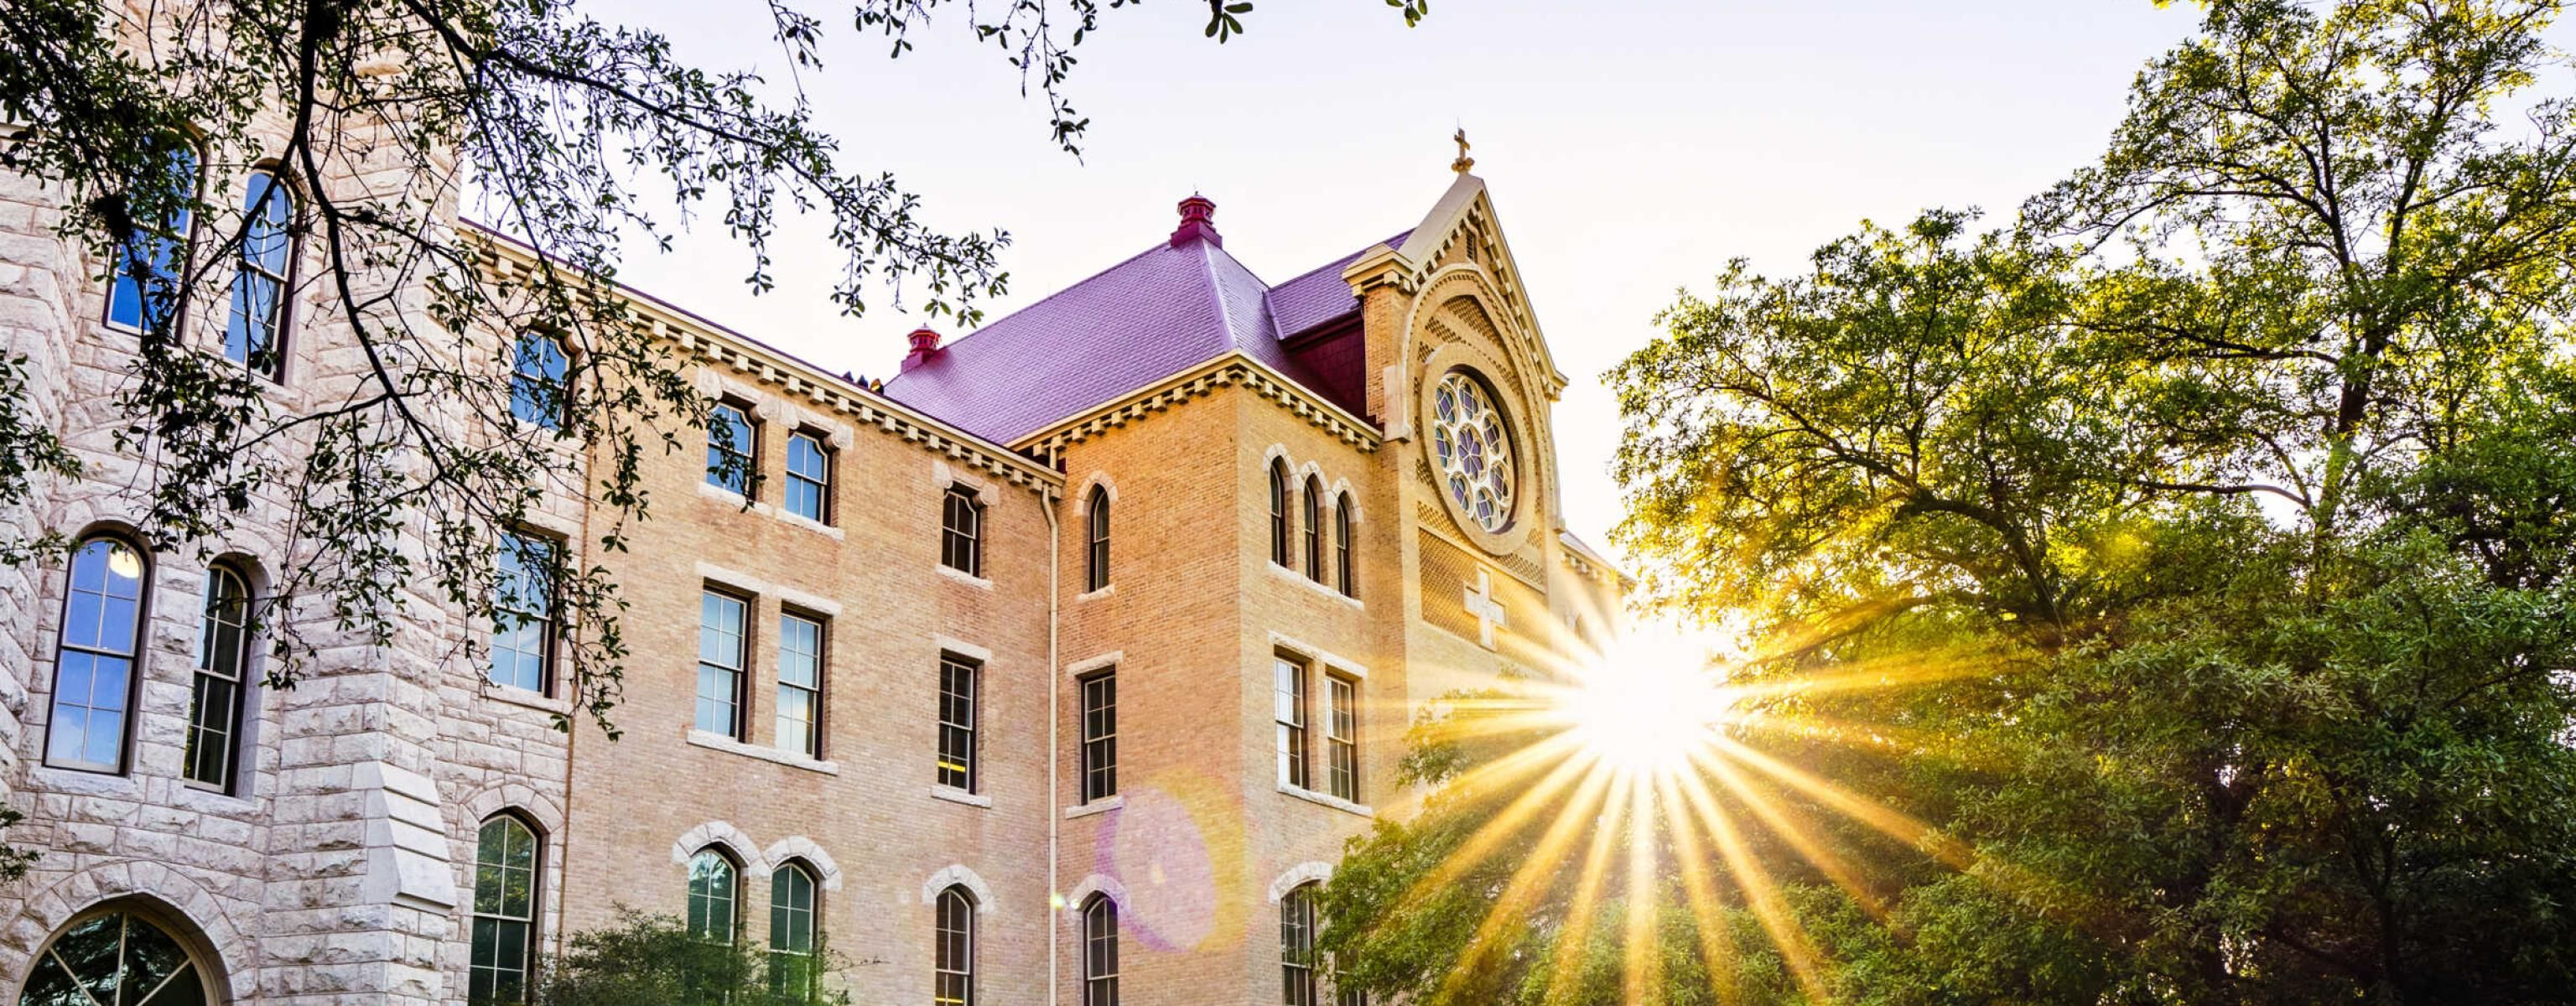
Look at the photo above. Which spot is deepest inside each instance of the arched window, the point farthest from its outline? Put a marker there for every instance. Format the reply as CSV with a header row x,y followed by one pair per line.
x,y
1350,573
1297,947
1099,538
122,956
505,912
961,537
809,477
537,372
732,446
792,918
1315,528
94,661
144,293
952,973
215,706
712,897
254,337
1279,511
1100,951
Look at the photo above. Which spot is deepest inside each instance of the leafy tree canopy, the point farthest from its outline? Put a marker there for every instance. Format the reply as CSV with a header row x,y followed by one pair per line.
x,y
2165,598
382,120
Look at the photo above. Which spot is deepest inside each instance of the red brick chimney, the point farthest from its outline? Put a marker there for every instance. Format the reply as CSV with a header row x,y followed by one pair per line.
x,y
1198,222
925,341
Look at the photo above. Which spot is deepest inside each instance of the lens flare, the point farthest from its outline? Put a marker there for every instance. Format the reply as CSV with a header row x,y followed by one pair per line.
x,y
1651,752
1639,713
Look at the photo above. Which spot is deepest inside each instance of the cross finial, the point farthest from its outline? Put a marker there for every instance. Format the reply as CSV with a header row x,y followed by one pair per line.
x,y
1463,162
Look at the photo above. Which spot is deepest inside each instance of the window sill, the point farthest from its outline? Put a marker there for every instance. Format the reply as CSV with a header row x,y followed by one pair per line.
x,y
810,524
1328,800
1100,806
720,742
731,498
963,576
954,795
521,697
1094,595
56,779
1316,585
190,796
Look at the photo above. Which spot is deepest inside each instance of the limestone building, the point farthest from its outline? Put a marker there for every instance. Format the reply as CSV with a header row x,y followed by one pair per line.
x,y
1052,671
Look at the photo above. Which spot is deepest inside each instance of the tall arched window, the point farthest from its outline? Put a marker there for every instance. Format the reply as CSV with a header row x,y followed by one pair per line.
x,y
505,912
537,373
792,916
254,337
215,705
144,293
1099,554
1297,947
1279,511
712,897
122,955
1315,528
1349,572
1100,951
952,973
94,660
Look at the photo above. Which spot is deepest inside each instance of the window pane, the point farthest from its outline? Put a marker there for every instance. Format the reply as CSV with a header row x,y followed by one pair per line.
x,y
1297,947
1342,731
259,289
961,531
143,293
93,669
800,684
809,477
956,723
214,702
1099,736
729,441
523,612
1289,697
1100,952
953,950
537,381
720,659
791,910
711,897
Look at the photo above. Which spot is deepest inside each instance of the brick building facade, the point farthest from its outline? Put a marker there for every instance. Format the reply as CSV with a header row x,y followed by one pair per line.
x,y
1097,628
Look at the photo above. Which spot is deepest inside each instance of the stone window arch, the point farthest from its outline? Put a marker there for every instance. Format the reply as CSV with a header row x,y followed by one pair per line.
x,y
133,950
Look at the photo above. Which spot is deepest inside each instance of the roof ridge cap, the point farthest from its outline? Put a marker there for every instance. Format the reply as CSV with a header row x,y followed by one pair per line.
x,y
1216,291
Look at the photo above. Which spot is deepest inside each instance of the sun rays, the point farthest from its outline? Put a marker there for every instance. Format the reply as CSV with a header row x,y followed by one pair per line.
x,y
1633,786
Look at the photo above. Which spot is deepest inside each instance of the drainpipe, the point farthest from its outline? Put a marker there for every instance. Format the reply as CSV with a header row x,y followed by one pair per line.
x,y
1055,687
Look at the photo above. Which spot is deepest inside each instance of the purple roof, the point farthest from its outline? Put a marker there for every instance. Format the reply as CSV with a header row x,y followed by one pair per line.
x,y
1167,309
1300,305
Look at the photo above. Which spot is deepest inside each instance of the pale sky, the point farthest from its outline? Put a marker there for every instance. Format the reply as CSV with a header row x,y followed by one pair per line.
x,y
1631,149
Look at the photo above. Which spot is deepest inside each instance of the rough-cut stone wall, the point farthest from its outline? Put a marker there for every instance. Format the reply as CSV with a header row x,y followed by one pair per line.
x,y
332,871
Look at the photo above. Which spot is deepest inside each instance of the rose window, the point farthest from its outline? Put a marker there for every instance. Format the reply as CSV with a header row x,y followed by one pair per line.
x,y
1474,452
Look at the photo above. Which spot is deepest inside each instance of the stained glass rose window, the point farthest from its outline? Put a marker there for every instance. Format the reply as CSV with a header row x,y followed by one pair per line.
x,y
1473,450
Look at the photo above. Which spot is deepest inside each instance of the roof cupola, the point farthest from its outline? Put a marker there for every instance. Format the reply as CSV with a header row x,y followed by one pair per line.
x,y
1198,222
925,341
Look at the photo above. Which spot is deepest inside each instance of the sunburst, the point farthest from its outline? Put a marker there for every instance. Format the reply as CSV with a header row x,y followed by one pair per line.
x,y
1635,769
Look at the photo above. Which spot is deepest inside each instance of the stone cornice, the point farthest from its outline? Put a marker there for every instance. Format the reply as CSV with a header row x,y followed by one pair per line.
x,y
1232,369
705,342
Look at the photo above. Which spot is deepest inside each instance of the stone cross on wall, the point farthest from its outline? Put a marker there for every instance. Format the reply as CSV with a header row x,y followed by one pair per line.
x,y
1488,609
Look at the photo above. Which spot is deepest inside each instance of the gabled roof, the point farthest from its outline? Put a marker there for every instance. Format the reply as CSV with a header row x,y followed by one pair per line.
x,y
1308,302
1173,306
